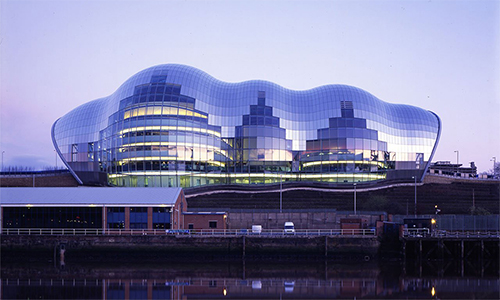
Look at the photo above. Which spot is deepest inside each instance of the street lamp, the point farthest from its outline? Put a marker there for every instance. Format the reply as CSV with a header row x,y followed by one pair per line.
x,y
354,198
415,177
494,159
281,193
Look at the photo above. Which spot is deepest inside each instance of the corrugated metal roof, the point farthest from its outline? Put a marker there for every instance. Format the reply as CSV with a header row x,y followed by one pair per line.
x,y
71,196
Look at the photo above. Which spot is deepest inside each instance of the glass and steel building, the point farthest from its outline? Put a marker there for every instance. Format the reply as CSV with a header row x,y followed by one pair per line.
x,y
176,126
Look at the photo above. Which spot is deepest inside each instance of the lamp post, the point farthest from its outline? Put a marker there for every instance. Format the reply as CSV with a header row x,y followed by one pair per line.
x,y
104,217
494,159
415,177
4,152
281,193
354,198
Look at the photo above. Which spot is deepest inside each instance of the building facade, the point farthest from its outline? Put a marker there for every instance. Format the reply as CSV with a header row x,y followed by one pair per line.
x,y
176,126
92,208
447,168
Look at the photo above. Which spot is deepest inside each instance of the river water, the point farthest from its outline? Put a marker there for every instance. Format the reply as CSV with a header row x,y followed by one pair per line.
x,y
269,279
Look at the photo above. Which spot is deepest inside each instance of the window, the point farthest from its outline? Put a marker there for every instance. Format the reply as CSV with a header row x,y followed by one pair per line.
x,y
90,153
158,79
190,226
161,218
212,224
138,217
116,217
74,152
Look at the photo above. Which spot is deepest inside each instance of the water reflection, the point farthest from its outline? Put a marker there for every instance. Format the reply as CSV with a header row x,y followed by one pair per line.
x,y
245,280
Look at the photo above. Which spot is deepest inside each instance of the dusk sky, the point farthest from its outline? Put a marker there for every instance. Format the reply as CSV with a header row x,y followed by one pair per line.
x,y
443,56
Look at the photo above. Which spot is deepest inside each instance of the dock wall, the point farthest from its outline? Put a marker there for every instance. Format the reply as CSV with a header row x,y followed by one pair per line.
x,y
167,247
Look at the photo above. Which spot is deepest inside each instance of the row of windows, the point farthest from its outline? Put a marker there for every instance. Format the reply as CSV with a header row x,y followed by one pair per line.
x,y
158,133
157,88
168,139
82,217
347,133
227,156
52,217
321,166
260,120
343,143
261,110
134,125
139,220
195,180
163,111
180,101
164,165
259,131
269,145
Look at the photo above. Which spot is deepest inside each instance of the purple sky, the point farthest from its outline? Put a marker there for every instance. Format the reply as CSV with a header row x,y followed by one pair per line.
x,y
443,56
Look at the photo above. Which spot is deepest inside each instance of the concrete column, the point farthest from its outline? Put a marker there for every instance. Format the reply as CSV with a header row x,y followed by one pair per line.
x,y
244,246
150,218
150,289
127,217
104,289
127,289
462,251
326,246
104,219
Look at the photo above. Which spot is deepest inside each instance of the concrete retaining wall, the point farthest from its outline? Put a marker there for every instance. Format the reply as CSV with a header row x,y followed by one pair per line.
x,y
164,247
272,220
302,220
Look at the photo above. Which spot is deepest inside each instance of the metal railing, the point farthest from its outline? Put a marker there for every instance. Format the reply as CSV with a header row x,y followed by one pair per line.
x,y
425,232
416,232
466,233
52,231
276,232
191,232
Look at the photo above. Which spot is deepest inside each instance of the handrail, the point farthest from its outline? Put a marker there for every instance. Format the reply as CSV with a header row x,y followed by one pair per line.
x,y
407,232
190,232
425,232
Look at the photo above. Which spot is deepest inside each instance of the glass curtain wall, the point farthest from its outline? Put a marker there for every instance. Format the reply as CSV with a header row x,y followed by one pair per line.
x,y
173,125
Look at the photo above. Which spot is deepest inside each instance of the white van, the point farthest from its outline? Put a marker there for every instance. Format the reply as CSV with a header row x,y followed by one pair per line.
x,y
257,229
289,228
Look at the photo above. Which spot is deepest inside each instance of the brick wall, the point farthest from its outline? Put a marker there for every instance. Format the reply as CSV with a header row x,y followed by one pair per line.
x,y
203,221
56,180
